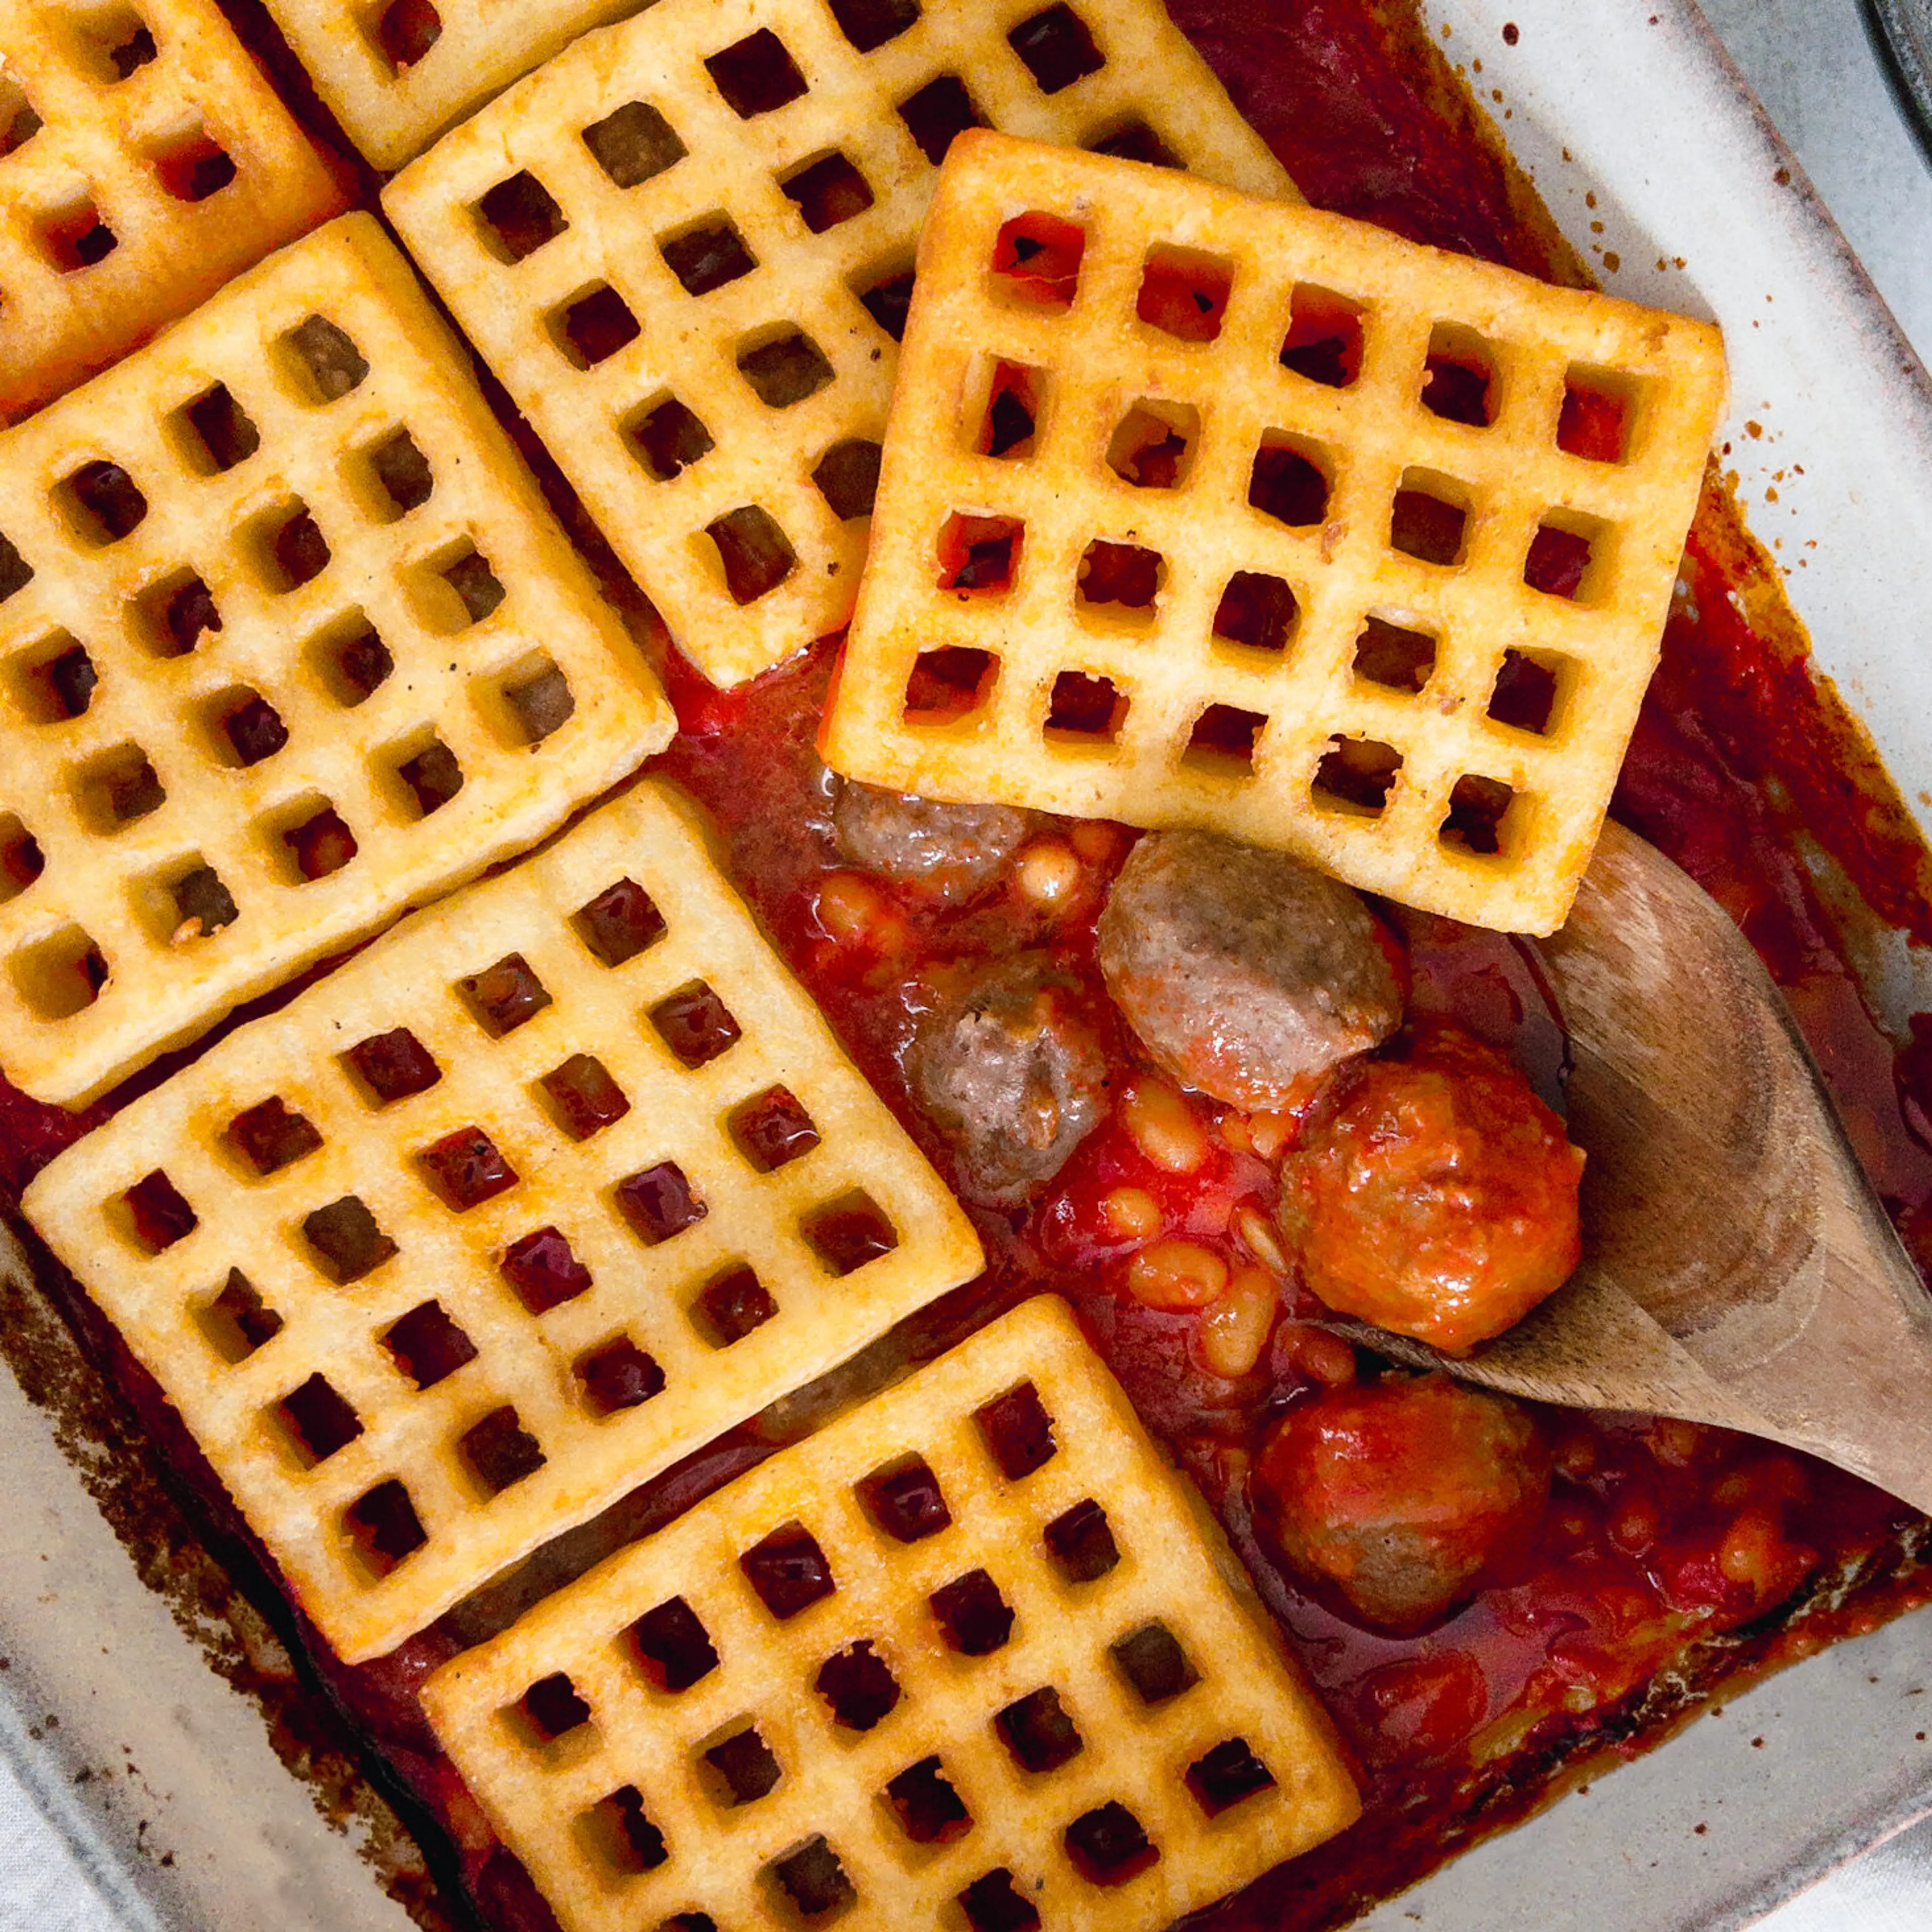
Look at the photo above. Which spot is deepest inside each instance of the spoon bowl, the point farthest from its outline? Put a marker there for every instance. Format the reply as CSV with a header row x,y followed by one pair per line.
x,y
1737,1268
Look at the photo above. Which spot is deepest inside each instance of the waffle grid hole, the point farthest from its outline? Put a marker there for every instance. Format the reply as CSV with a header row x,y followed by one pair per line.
x,y
1569,557
707,255
346,1240
1081,1542
73,236
1256,612
869,24
668,437
465,1168
1323,343
756,75
53,682
904,1500
421,775
1355,776
783,368
857,1685
1601,415
592,325
59,976
619,1836
1291,480
846,1234
1484,819
350,659
619,923
1119,583
949,685
404,32
315,1421
1394,656
1108,1845
190,164
978,554
582,1098
1227,1775
1084,711
808,1886
695,1024
536,701
633,144
1007,424
1429,518
396,478
271,1135
427,1345
617,1376
112,43
1132,140
21,861
308,839
732,1304
827,191
101,502
1153,1663
738,1769
1018,1432
1153,446
286,548
19,122
214,433
1038,1732
323,360
173,614
788,1571
236,1320
1459,376
115,788
1035,263
518,216
391,1067
499,1452
973,1617
241,727
1057,48
1184,292
749,552
848,477
926,1805
659,1203
1532,691
383,1529
671,1647
938,114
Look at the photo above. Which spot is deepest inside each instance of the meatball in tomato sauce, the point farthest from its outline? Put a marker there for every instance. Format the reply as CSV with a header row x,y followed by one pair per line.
x,y
1006,1064
1246,974
1434,1196
953,851
1398,1499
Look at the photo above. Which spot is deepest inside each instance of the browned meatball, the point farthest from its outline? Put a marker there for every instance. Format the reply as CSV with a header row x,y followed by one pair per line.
x,y
1396,1497
954,850
1439,1197
1008,1069
1244,972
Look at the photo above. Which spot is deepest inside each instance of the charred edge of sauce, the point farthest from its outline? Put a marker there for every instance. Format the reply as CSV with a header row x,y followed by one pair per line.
x,y
147,1477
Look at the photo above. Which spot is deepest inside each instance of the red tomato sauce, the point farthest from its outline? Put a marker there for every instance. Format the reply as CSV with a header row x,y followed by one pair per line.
x,y
1663,1543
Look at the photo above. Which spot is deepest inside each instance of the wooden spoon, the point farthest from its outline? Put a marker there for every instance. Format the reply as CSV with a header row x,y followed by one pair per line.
x,y
1737,1268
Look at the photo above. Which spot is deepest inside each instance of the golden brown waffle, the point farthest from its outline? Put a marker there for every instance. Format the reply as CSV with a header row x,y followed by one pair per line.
x,y
683,246
288,640
554,1184
396,72
973,1657
143,161
1199,510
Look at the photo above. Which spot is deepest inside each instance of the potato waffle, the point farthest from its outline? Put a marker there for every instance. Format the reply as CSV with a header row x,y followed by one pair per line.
x,y
143,161
287,640
684,246
972,1656
554,1184
1199,510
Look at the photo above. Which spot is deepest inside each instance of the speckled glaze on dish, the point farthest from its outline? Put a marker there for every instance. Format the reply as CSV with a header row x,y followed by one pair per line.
x,y
1702,208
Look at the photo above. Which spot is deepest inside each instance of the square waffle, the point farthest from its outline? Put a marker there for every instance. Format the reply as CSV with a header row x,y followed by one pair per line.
x,y
552,1185
288,639
143,161
1199,510
973,1657
684,247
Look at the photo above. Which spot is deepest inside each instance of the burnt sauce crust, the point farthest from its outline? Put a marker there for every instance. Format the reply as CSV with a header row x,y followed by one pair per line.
x,y
1371,120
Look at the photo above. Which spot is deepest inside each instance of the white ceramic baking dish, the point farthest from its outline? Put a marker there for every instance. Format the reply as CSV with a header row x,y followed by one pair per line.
x,y
185,1816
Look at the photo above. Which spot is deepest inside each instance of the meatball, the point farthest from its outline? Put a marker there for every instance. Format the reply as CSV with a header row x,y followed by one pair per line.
x,y
1438,1197
1009,1071
1244,972
1397,1498
954,850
